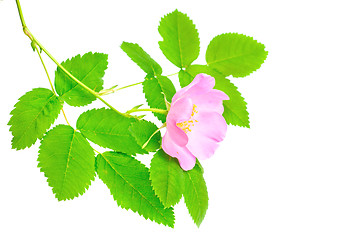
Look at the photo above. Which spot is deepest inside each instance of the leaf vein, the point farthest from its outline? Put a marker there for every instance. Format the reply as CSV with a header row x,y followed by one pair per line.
x,y
143,197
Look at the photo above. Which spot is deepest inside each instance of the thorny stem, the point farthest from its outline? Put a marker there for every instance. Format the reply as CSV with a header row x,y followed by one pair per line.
x,y
37,43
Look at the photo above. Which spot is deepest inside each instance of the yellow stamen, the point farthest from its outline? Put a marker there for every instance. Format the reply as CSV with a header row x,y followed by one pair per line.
x,y
187,125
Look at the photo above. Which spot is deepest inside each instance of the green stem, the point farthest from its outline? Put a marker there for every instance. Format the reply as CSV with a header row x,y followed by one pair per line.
x,y
156,110
49,79
43,64
172,74
146,143
64,115
113,90
20,13
33,39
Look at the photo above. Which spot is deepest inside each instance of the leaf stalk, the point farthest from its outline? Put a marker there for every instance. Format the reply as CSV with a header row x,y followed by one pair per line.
x,y
155,110
113,89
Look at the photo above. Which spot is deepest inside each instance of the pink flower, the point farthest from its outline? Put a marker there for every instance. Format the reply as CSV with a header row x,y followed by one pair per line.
x,y
195,123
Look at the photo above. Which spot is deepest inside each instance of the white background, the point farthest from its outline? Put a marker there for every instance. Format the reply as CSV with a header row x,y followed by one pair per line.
x,y
293,175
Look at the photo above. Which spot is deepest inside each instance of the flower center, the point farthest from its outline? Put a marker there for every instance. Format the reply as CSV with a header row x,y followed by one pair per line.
x,y
187,125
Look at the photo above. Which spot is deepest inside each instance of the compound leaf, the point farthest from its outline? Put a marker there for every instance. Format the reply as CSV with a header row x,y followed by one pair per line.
x,y
89,69
68,162
235,54
33,114
128,181
167,178
181,42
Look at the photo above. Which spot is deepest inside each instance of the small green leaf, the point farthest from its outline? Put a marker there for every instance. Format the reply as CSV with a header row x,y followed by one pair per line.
x,y
235,54
137,106
89,69
128,181
109,129
68,162
195,194
235,111
185,78
141,58
156,90
143,130
33,114
167,178
181,42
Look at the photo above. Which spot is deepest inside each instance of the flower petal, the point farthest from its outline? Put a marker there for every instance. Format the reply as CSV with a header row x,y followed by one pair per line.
x,y
177,135
180,110
201,84
186,159
202,148
211,101
206,133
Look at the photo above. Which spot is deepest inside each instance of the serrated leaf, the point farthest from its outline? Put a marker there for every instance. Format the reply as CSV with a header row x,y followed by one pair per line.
x,y
167,87
109,129
128,181
141,58
235,54
156,90
143,130
235,110
196,194
68,162
89,69
33,114
181,42
167,178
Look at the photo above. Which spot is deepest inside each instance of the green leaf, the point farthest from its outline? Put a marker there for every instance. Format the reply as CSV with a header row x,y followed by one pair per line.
x,y
181,42
167,87
167,178
156,90
235,110
185,78
89,69
141,58
68,162
128,181
109,129
235,54
195,194
33,114
143,130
